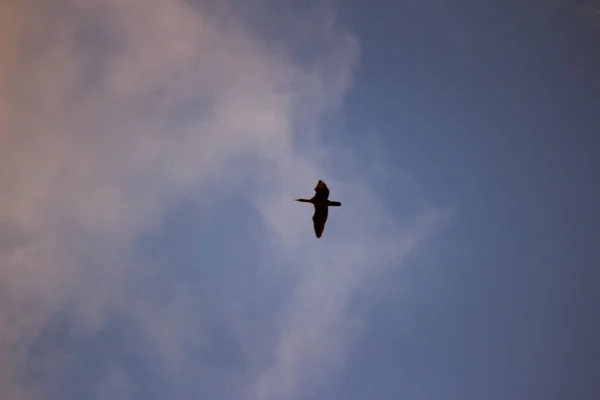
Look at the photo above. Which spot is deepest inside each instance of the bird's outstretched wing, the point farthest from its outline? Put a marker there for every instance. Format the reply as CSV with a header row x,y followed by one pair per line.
x,y
322,191
319,219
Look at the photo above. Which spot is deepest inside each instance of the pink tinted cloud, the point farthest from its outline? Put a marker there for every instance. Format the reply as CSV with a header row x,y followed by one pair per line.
x,y
94,147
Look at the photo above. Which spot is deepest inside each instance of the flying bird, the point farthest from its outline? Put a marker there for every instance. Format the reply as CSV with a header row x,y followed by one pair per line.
x,y
321,201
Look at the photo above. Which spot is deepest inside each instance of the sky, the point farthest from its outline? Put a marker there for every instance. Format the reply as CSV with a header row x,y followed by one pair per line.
x,y
151,150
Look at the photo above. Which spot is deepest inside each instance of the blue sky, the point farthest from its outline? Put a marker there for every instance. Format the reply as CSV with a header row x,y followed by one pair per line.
x,y
150,246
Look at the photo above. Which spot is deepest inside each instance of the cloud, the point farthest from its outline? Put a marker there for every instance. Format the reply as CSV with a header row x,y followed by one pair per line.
x,y
115,111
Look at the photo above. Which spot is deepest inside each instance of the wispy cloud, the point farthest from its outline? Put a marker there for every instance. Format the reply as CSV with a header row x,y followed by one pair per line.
x,y
115,110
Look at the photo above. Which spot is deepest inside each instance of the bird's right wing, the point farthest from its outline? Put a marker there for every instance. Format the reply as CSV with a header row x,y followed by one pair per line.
x,y
322,191
319,219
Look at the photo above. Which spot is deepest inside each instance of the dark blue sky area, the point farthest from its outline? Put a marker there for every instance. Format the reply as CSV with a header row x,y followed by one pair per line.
x,y
496,112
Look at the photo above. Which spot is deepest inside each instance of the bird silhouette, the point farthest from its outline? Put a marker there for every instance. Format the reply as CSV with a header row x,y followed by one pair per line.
x,y
321,202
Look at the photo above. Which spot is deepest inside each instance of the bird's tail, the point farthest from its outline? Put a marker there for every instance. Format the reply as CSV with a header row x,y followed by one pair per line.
x,y
335,203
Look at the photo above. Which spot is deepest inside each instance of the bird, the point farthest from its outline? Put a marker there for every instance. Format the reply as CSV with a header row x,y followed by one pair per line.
x,y
321,202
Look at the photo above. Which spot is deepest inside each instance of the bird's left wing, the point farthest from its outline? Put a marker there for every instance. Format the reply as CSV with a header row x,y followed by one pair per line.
x,y
319,219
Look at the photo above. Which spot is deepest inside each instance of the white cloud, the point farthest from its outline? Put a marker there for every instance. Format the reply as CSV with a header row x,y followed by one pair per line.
x,y
115,109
